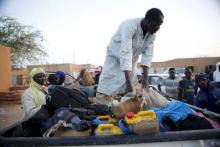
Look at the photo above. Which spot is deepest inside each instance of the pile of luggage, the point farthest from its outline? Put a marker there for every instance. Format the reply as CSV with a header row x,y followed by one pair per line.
x,y
70,113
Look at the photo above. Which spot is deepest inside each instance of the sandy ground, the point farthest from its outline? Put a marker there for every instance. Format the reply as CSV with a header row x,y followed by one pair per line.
x,y
9,114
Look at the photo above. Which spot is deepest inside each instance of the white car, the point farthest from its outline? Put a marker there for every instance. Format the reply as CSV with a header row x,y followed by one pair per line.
x,y
155,79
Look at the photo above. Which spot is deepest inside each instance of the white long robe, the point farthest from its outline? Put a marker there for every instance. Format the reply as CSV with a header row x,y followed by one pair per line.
x,y
122,54
216,74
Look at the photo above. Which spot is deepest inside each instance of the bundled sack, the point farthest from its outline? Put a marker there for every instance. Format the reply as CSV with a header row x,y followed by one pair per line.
x,y
153,99
65,97
132,105
69,117
62,129
104,99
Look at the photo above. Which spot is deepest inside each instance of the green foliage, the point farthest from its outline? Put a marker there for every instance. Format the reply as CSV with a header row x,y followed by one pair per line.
x,y
25,42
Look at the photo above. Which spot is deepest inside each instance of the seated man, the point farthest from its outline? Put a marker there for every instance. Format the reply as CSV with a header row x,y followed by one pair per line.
x,y
209,94
53,81
34,96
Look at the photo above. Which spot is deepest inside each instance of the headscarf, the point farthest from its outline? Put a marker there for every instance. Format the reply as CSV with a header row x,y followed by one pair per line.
x,y
61,74
36,88
200,76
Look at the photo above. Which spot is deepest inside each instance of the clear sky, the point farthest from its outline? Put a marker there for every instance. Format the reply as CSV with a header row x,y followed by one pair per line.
x,y
78,31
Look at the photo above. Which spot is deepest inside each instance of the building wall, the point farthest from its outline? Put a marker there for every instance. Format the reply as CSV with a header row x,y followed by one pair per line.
x,y
5,68
19,76
72,69
199,64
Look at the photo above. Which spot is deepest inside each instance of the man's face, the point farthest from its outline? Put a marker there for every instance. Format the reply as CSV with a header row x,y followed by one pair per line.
x,y
172,74
40,78
202,83
188,73
154,25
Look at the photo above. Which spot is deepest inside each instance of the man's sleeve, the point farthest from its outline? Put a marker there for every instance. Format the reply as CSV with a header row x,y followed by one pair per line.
x,y
147,54
30,107
127,31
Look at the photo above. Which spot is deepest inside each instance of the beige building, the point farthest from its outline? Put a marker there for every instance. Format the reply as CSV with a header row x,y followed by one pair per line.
x,y
21,75
198,64
5,68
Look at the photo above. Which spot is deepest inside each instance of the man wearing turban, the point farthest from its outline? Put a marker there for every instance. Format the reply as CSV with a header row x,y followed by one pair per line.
x,y
34,96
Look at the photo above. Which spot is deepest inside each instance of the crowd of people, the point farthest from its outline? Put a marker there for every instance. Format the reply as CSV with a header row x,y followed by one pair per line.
x,y
196,90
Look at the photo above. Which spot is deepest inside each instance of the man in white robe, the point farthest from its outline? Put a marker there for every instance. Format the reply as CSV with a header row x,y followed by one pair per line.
x,y
134,37
216,74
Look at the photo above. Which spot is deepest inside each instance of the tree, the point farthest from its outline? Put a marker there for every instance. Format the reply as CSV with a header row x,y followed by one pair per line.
x,y
25,42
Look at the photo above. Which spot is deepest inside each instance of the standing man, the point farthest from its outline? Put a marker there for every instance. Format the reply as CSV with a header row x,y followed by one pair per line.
x,y
186,89
171,84
133,38
216,74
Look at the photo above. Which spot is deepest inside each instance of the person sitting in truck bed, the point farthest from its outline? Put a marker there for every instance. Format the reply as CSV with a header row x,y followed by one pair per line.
x,y
34,97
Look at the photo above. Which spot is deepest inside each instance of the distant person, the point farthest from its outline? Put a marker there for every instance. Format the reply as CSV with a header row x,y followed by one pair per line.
x,y
211,73
87,83
85,78
34,96
133,38
216,74
98,72
171,84
208,96
186,89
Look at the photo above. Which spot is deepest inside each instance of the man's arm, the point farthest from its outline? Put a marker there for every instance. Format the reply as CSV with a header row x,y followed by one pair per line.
x,y
128,80
145,83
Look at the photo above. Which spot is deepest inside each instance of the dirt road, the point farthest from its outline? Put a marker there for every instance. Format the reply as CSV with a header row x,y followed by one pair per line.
x,y
9,114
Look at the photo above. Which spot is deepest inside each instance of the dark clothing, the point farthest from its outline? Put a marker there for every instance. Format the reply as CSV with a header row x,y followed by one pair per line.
x,y
211,76
97,78
188,90
209,97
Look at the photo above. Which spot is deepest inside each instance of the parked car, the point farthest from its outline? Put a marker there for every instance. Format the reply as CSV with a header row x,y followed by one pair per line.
x,y
155,79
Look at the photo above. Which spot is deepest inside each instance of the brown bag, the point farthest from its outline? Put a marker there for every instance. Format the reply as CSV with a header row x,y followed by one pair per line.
x,y
70,132
131,105
154,99
145,127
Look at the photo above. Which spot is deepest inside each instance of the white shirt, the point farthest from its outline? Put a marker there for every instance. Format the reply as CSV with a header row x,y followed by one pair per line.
x,y
171,86
29,106
122,54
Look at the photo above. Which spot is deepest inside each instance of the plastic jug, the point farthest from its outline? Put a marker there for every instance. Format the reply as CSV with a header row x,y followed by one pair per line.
x,y
107,119
108,129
